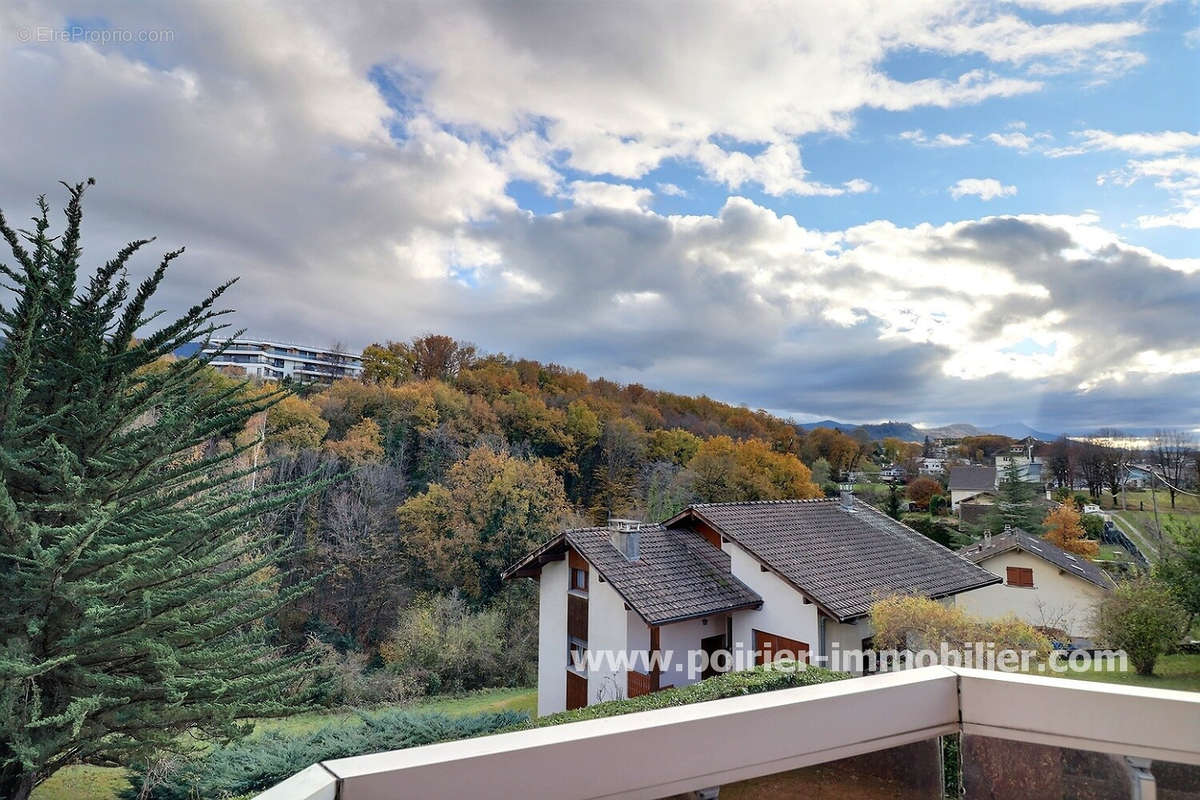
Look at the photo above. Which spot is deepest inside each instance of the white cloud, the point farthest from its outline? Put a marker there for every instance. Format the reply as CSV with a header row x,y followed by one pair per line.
x,y
1145,143
671,190
1015,140
983,188
778,169
350,162
1178,176
940,140
1180,219
610,195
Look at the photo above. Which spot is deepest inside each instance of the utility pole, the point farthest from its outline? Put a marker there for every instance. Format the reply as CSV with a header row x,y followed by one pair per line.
x,y
1154,500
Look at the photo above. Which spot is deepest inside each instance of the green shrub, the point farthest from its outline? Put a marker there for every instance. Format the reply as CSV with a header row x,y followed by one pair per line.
x,y
1143,618
446,646
259,762
731,684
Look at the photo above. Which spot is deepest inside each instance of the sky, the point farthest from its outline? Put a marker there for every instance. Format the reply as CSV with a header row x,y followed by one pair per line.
x,y
934,212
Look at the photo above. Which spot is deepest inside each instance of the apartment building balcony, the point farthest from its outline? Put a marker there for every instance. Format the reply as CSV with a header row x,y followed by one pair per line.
x,y
879,736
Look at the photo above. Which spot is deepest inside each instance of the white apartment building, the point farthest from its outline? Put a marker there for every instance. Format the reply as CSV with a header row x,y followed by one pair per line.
x,y
274,361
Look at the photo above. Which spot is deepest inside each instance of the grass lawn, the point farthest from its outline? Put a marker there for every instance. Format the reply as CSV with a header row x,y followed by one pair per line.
x,y
1180,671
104,783
1183,502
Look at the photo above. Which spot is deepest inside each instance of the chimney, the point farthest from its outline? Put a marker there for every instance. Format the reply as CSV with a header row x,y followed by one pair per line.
x,y
987,538
847,494
1007,528
626,536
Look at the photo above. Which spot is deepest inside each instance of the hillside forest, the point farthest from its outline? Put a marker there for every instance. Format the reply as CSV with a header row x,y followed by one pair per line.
x,y
442,466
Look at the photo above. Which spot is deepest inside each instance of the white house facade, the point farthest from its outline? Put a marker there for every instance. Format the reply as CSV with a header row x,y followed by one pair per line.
x,y
270,360
632,609
1043,584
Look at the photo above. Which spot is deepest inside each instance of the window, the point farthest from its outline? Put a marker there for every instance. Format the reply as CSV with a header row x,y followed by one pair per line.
x,y
579,579
1020,576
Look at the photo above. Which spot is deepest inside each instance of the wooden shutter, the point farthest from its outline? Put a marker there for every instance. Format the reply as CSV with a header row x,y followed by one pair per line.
x,y
577,691
766,645
1020,576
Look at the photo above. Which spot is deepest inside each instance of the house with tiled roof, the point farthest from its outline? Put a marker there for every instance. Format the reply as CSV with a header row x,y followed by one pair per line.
x,y
1043,584
968,482
633,608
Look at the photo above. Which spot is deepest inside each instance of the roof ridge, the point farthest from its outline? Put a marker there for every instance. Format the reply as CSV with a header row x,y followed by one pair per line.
x,y
784,501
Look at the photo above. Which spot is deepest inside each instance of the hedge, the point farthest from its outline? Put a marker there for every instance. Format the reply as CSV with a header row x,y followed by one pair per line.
x,y
256,763
731,684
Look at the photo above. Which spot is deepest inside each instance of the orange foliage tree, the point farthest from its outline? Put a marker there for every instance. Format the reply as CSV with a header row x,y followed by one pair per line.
x,y
1064,528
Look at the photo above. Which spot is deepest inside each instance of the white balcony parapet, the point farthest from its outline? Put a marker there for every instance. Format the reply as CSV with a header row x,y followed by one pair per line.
x,y
669,751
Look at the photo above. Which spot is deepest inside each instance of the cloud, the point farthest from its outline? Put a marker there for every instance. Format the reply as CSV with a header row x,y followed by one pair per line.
x,y
671,190
610,195
1178,175
1145,143
983,188
918,137
352,164
1015,140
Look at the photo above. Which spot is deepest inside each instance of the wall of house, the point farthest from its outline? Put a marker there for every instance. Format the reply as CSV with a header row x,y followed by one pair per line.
x,y
1057,599
681,639
841,637
783,612
958,495
552,638
606,632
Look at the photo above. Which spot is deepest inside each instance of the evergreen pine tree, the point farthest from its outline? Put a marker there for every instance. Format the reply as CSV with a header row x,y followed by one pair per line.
x,y
134,588
1014,504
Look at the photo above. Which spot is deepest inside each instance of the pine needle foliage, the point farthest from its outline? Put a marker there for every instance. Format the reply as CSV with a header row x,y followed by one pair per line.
x,y
258,763
134,586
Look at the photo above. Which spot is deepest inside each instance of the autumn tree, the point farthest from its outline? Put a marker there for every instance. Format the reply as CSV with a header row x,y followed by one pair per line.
x,y
294,424
390,363
726,471
675,446
438,357
921,490
491,510
1064,529
363,444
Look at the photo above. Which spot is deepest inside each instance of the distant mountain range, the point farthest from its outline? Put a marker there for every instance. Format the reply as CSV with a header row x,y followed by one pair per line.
x,y
908,432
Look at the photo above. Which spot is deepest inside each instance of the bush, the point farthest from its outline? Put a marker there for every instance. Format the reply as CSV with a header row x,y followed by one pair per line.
x,y
346,679
1093,525
1143,618
257,763
730,684
448,647
904,621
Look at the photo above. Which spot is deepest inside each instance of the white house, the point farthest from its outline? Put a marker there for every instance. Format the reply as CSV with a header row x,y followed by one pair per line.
x,y
969,482
744,582
1043,584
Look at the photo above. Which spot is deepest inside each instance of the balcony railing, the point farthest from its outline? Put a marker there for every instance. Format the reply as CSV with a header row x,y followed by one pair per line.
x,y
691,748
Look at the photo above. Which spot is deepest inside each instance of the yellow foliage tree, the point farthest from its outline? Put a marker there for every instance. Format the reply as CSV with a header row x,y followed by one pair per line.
x,y
727,471
295,424
1064,528
491,509
363,444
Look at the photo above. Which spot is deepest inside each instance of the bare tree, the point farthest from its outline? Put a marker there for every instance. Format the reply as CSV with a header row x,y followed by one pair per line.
x,y
1170,455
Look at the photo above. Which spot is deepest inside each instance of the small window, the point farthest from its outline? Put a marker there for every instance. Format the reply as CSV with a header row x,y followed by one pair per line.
x,y
579,579
1020,576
